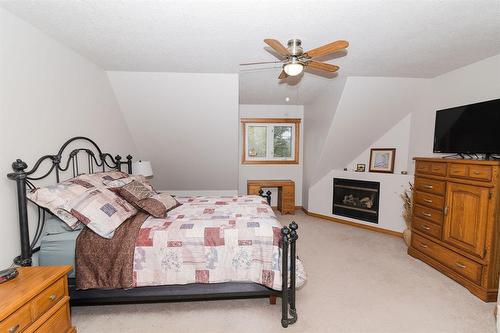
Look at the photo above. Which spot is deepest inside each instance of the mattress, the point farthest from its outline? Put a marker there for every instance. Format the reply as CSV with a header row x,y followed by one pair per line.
x,y
57,246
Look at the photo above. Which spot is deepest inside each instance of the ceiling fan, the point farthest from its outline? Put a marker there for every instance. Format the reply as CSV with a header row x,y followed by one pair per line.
x,y
294,60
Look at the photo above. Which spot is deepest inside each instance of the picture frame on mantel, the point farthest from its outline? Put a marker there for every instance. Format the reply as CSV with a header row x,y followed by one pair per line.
x,y
382,160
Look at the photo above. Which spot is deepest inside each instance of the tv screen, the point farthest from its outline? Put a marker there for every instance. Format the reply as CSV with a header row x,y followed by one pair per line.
x,y
473,128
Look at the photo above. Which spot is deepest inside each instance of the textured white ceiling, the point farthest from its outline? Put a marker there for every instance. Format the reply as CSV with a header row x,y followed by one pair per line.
x,y
412,38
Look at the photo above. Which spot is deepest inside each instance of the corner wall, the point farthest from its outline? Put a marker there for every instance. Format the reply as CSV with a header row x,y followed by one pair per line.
x,y
48,93
186,124
272,171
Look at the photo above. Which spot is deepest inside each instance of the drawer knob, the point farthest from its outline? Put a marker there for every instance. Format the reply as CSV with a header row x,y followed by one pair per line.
x,y
428,200
423,245
426,227
429,186
460,265
427,214
476,172
14,329
53,297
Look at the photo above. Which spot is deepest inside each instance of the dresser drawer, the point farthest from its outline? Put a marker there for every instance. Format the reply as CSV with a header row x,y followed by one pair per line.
x,y
59,322
47,298
429,200
458,263
17,321
430,185
432,168
429,214
458,170
426,227
480,172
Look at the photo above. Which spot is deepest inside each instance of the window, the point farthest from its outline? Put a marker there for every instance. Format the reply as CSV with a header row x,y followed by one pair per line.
x,y
270,140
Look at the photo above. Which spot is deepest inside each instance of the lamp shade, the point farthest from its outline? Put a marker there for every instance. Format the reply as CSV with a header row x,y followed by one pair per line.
x,y
142,168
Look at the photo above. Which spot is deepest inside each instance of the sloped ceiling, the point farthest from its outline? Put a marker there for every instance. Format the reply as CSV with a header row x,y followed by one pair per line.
x,y
411,38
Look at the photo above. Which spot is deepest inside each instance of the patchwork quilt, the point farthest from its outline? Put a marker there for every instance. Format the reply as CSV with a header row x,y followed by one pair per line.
x,y
211,240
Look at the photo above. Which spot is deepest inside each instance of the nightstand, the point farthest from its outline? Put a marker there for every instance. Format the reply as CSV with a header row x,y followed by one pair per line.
x,y
36,301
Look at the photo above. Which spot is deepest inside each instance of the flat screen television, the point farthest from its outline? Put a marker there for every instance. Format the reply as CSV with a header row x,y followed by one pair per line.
x,y
468,129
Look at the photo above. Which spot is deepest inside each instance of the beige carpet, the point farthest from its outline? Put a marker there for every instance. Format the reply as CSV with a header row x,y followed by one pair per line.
x,y
358,281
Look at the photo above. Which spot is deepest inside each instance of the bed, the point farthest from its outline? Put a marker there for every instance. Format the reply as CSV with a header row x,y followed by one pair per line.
x,y
149,285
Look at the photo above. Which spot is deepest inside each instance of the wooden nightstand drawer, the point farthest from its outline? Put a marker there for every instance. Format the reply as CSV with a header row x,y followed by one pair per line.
x,y
58,322
47,298
17,321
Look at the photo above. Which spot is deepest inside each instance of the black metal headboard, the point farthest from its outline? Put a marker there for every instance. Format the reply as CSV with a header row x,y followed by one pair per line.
x,y
95,160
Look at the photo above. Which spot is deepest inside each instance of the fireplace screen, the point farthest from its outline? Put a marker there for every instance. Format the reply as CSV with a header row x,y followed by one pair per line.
x,y
357,199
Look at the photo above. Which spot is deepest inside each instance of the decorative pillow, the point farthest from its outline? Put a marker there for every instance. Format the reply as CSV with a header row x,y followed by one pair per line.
x,y
56,197
102,211
159,204
103,178
127,180
142,197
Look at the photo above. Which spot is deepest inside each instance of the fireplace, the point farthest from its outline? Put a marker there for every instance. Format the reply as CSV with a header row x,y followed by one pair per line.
x,y
357,199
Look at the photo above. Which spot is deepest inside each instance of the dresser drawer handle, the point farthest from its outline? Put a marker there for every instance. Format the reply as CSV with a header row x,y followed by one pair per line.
x,y
423,245
476,172
427,214
426,227
430,187
14,329
428,200
53,297
460,265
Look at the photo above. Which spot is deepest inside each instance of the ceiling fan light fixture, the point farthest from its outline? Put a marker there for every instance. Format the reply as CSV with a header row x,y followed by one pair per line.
x,y
293,68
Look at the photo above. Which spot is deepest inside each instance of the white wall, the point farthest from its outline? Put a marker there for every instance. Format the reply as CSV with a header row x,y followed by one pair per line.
x,y
391,185
477,82
390,204
48,93
412,135
186,124
397,137
270,171
317,120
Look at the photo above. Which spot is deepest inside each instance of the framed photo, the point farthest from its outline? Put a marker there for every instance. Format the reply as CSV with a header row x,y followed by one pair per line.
x,y
382,160
360,167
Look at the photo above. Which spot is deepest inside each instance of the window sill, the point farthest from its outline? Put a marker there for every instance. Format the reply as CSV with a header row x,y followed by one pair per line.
x,y
270,162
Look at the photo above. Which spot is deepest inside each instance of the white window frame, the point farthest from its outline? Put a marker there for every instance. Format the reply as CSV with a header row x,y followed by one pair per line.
x,y
271,123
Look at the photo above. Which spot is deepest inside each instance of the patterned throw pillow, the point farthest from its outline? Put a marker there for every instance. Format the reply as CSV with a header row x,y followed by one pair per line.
x,y
103,178
102,211
159,204
127,180
143,197
56,197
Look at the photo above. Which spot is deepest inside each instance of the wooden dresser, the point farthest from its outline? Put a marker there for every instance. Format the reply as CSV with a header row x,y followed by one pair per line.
x,y
36,301
286,192
455,226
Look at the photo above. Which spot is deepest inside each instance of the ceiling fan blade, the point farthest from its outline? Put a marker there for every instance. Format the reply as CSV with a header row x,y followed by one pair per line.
x,y
283,75
322,66
277,46
327,49
259,63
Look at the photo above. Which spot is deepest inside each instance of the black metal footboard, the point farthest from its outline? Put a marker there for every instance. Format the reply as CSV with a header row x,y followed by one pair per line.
x,y
288,310
289,238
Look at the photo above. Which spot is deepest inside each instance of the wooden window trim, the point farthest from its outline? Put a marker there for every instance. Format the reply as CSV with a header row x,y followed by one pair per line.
x,y
295,121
